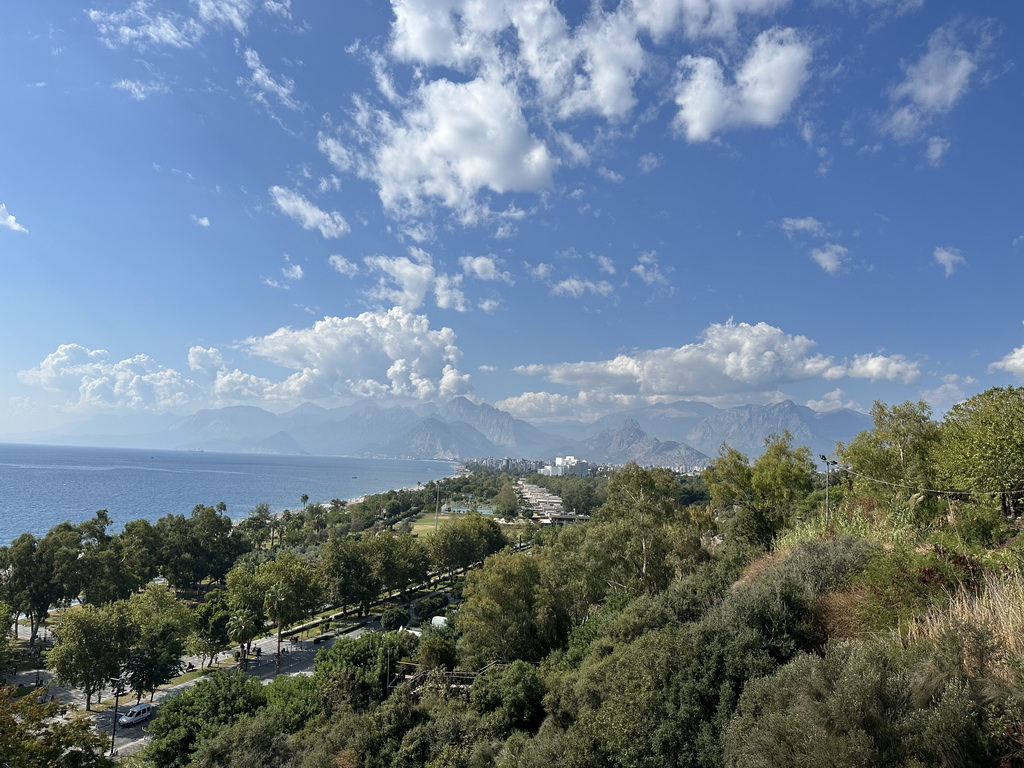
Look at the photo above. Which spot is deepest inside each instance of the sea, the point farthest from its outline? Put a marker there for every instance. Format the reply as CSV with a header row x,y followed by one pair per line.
x,y
43,485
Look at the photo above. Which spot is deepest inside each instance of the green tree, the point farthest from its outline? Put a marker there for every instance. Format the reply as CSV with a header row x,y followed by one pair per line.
x,y
84,655
346,566
982,446
242,628
499,618
210,620
33,736
198,713
159,629
757,501
506,503
291,588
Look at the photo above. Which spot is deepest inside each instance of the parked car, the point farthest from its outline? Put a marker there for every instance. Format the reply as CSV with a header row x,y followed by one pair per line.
x,y
137,714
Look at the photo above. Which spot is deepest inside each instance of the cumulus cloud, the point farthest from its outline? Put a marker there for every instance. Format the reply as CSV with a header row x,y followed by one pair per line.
x,y
89,378
698,18
538,405
448,292
933,84
202,221
948,258
205,359
831,257
764,87
337,154
7,220
262,83
604,263
405,281
460,139
342,265
729,359
484,268
377,354
1012,362
832,401
296,206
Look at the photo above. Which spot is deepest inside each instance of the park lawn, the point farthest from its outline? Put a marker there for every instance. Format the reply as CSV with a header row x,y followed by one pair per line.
x,y
424,522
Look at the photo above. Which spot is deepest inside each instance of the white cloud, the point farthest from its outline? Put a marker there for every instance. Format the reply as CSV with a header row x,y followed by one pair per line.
x,y
541,271
831,402
282,8
949,259
936,150
460,139
139,90
307,214
612,176
488,368
539,405
649,162
262,82
948,393
831,257
7,220
765,87
807,224
140,26
406,281
729,359
895,368
488,305
448,293
604,263
337,154
484,268
291,271
1012,362
698,18
932,85
206,359
202,221
340,264
648,269
88,378
377,354
577,287
233,13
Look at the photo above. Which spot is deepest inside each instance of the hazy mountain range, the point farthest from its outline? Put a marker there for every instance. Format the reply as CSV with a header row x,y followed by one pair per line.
x,y
682,433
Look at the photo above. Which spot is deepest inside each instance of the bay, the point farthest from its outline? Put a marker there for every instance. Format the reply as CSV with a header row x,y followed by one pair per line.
x,y
43,485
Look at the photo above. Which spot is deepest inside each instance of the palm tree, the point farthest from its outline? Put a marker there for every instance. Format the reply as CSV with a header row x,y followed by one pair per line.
x,y
242,628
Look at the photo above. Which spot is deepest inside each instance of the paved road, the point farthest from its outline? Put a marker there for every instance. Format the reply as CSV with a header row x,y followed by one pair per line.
x,y
296,658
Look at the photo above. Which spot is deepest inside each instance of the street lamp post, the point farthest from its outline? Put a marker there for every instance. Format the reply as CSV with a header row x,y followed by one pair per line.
x,y
116,682
829,463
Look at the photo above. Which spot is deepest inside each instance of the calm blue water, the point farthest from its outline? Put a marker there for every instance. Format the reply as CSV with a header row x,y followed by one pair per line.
x,y
42,485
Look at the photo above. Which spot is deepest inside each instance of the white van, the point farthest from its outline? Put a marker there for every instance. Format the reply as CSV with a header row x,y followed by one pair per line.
x,y
137,714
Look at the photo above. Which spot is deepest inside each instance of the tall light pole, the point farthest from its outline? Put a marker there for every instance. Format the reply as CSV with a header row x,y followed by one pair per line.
x,y
116,682
829,463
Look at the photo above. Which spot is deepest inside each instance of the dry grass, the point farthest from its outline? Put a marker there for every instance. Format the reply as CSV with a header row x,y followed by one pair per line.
x,y
859,518
998,609
756,568
838,612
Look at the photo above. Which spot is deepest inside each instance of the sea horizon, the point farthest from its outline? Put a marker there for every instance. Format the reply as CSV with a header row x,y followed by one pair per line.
x,y
42,485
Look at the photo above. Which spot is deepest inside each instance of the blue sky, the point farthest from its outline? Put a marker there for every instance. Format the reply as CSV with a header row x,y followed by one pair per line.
x,y
564,209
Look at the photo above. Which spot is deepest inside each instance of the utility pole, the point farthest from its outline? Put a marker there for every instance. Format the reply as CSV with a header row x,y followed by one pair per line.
x,y
829,463
116,682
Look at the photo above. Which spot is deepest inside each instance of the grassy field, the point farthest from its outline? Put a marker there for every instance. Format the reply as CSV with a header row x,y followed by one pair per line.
x,y
424,523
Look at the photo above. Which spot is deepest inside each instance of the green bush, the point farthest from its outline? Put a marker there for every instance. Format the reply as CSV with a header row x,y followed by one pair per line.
x,y
394,618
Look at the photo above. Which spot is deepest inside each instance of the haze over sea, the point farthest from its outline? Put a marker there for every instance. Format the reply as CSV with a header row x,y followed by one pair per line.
x,y
42,485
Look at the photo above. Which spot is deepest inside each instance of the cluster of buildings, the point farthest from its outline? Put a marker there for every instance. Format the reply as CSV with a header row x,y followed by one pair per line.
x,y
544,506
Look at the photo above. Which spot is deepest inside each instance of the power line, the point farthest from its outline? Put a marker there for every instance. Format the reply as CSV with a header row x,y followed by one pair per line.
x,y
928,490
